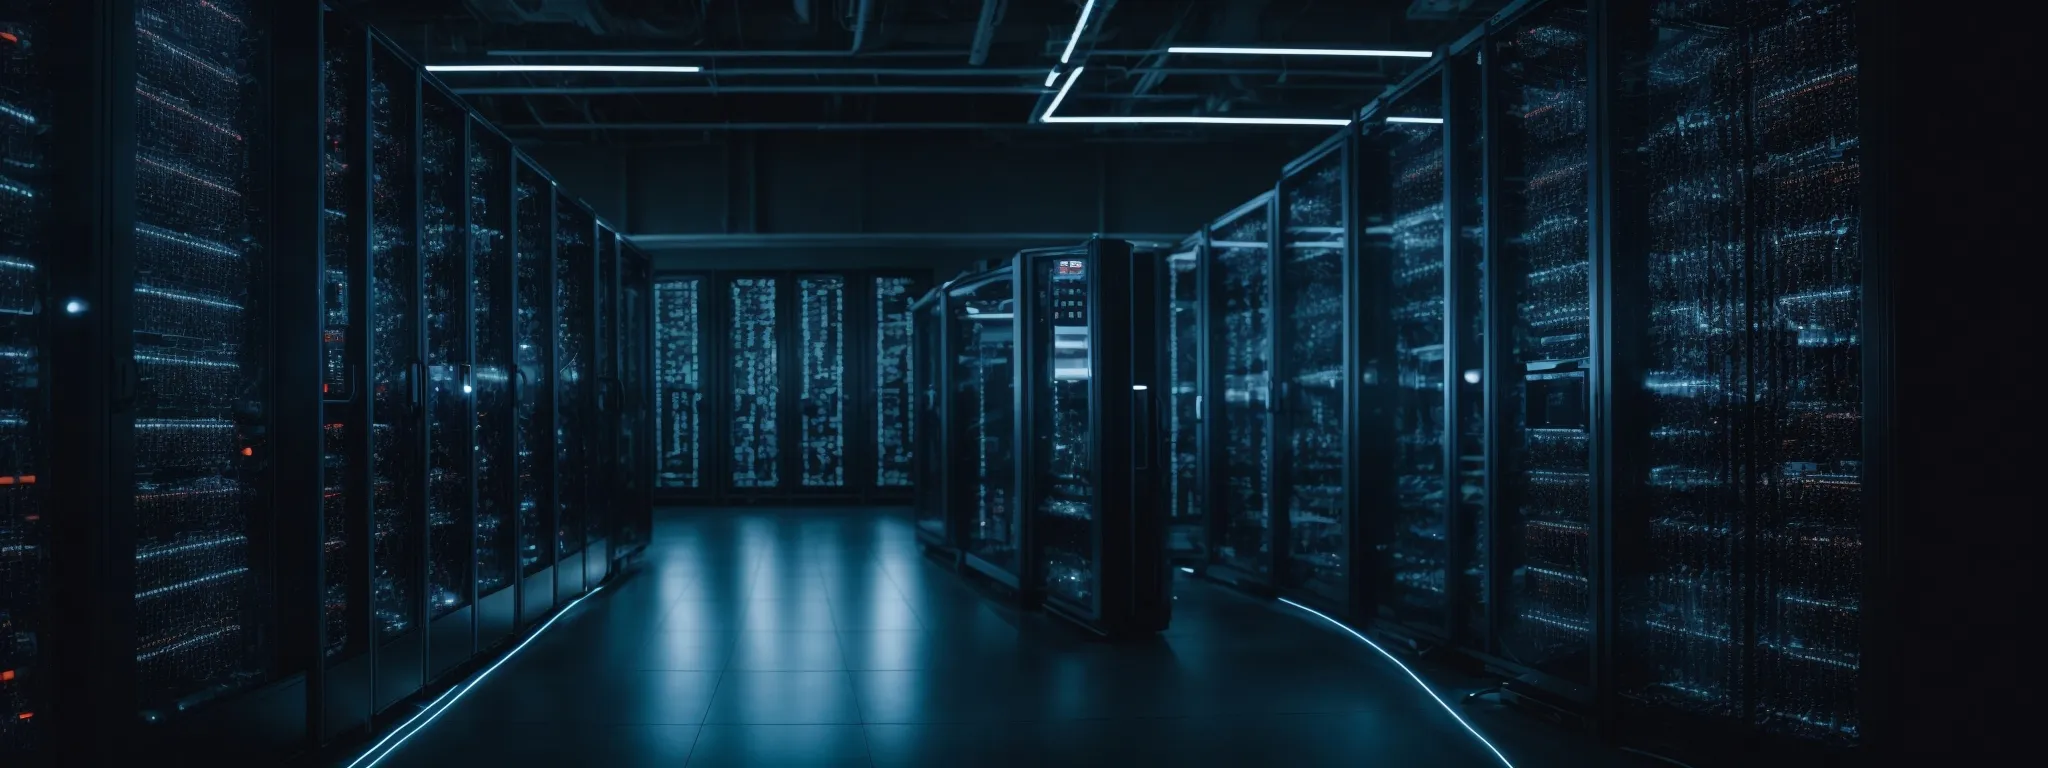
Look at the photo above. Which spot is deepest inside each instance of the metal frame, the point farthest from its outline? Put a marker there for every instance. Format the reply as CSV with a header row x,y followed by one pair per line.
x,y
1345,146
994,571
1197,528
858,324
933,468
1217,456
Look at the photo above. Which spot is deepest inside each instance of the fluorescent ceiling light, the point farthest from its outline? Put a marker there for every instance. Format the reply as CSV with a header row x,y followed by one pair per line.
x,y
1052,77
1423,120
1079,24
1169,119
560,68
1301,52
1172,120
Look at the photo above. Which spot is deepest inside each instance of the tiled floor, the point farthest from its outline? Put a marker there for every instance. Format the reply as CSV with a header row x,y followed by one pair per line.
x,y
824,638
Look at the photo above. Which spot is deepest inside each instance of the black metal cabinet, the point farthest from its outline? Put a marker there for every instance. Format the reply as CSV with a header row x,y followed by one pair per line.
x,y
1182,314
1088,428
637,427
493,355
574,417
817,375
981,339
1244,534
1313,273
930,460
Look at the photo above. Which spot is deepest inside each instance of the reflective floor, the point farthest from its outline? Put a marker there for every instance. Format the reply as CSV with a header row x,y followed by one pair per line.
x,y
815,638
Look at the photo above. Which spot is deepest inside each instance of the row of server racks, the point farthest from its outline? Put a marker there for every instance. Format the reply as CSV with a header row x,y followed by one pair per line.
x,y
784,387
317,390
1039,450
1555,359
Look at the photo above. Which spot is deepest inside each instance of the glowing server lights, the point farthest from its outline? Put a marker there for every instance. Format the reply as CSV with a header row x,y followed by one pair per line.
x,y
1354,52
601,68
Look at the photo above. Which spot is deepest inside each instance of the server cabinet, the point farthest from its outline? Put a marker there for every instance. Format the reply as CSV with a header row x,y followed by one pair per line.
x,y
574,419
1742,579
637,428
533,389
818,403
1182,319
1091,454
346,570
606,492
494,354
1243,530
981,415
446,296
29,80
681,463
1542,480
932,461
753,380
1313,274
1411,458
893,417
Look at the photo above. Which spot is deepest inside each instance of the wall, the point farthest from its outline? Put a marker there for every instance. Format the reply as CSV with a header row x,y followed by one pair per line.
x,y
909,200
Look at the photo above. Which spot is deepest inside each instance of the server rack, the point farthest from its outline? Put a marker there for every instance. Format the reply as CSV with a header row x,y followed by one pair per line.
x,y
680,381
1090,458
807,345
981,412
493,368
533,389
1244,535
1314,270
258,194
573,416
1183,317
636,431
937,526
601,526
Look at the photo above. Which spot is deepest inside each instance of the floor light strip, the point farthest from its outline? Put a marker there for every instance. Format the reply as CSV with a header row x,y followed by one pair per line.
x,y
1412,676
401,729
460,690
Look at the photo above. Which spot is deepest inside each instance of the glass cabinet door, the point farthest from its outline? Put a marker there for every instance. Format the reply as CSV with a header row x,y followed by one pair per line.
x,y
1546,522
930,455
984,409
1063,433
1242,511
1312,380
1184,491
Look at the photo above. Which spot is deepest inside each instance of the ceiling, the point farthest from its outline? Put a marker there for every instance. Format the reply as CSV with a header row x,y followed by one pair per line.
x,y
880,65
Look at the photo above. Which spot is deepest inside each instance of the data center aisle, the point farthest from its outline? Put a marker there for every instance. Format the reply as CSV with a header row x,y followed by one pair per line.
x,y
823,637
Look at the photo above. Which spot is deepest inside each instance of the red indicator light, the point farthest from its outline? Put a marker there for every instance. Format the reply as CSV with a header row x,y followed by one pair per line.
x,y
248,451
6,675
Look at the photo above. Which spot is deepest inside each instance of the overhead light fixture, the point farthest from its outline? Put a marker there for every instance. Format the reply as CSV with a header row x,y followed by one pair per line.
x,y
1170,119
1421,120
1366,52
1079,24
1052,77
562,68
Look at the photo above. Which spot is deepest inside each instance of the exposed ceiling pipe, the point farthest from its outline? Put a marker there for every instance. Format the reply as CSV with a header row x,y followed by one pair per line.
x,y
774,126
984,31
621,90
860,25
803,11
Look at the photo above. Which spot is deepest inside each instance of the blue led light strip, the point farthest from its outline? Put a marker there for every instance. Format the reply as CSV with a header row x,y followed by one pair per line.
x,y
447,700
1412,676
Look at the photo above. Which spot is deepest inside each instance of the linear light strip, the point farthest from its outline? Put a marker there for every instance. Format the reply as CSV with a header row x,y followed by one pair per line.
x,y
1412,676
1367,52
1075,76
561,68
456,693
1421,120
1079,25
1191,120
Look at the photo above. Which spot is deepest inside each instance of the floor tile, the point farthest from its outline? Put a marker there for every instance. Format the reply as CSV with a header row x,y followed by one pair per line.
x,y
784,698
790,746
778,651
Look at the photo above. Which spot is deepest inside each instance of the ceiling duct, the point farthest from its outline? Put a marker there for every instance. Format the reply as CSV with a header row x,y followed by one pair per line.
x,y
582,13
